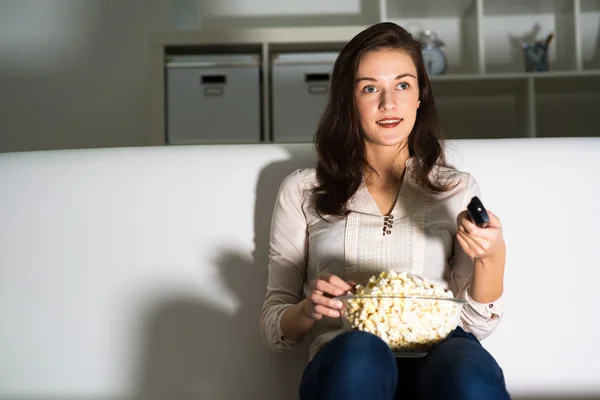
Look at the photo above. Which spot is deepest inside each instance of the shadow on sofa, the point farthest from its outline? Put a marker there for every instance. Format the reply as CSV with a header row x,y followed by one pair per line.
x,y
183,354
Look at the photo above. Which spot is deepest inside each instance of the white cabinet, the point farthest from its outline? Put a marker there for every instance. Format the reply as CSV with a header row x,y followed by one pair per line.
x,y
485,92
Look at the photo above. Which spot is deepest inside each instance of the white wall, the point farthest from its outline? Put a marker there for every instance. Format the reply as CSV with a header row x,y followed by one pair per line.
x,y
74,73
257,13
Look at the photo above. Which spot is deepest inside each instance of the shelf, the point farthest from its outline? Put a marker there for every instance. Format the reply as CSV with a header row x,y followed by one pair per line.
x,y
485,108
514,75
567,106
486,92
509,22
454,21
428,8
240,14
315,35
590,33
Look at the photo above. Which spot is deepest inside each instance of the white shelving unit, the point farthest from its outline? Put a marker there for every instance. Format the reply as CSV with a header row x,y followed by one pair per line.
x,y
589,34
485,107
505,24
485,93
455,21
568,106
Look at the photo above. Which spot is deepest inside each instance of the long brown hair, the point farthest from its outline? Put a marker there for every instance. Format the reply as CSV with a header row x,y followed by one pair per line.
x,y
339,141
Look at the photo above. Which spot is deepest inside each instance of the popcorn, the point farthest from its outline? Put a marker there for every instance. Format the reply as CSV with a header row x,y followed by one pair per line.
x,y
406,324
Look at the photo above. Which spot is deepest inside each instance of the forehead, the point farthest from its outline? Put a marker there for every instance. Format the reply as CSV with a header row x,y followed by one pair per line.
x,y
386,62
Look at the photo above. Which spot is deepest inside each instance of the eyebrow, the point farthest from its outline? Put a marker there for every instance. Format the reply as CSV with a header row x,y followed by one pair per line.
x,y
375,80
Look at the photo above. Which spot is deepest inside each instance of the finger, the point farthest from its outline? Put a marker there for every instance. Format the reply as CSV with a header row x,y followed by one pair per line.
x,y
319,299
494,220
470,241
465,246
482,245
469,227
473,246
316,311
338,282
353,284
489,234
314,314
461,217
465,223
478,247
462,236
326,312
326,287
487,237
314,288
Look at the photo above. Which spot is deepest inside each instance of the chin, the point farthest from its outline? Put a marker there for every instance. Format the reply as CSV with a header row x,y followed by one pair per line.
x,y
387,137
395,140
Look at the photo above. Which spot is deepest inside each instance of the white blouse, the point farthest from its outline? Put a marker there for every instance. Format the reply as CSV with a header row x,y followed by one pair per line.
x,y
420,240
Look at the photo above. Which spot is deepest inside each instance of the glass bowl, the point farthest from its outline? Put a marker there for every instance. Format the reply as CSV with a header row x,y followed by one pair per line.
x,y
410,325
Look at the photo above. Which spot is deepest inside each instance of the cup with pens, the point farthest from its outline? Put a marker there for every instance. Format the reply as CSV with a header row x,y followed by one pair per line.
x,y
536,54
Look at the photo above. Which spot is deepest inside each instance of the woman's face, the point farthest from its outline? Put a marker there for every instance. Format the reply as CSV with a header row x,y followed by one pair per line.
x,y
386,95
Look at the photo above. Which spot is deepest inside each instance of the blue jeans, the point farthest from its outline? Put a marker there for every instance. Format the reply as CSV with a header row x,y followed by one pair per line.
x,y
359,365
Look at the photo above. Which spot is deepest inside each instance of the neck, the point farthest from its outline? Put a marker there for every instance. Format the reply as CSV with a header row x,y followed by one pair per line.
x,y
389,164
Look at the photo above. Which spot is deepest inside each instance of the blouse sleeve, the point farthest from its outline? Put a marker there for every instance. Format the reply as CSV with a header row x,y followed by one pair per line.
x,y
288,247
478,318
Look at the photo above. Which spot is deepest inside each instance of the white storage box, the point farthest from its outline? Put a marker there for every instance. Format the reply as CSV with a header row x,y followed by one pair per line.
x,y
300,85
213,99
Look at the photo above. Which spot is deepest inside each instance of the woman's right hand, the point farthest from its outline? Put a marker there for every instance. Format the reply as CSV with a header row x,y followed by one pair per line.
x,y
318,303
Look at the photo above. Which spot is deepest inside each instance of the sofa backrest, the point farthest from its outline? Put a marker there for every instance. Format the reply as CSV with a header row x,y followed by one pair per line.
x,y
139,273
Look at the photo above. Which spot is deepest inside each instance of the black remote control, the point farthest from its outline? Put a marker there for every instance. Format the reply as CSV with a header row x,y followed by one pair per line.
x,y
478,213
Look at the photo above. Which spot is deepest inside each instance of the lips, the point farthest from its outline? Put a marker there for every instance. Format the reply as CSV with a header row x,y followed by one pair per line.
x,y
389,122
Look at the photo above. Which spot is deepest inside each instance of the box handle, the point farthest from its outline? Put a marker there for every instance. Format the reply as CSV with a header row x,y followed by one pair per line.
x,y
214,84
316,78
214,91
317,89
212,79
317,83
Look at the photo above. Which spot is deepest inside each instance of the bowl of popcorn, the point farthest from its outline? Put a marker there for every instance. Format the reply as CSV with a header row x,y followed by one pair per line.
x,y
409,313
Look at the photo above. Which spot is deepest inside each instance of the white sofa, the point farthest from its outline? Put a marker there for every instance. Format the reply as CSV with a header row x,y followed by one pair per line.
x,y
139,273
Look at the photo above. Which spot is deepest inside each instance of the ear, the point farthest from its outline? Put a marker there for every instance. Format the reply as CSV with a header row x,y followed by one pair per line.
x,y
418,103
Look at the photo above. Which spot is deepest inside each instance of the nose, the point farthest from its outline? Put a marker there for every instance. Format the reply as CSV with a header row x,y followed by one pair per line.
x,y
387,101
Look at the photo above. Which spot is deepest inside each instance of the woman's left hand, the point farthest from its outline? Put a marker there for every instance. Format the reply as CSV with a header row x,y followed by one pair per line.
x,y
482,243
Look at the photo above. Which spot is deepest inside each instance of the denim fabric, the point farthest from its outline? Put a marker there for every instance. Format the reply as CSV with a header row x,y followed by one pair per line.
x,y
359,365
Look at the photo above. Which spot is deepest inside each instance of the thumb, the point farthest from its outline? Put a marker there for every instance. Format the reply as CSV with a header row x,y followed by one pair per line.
x,y
494,220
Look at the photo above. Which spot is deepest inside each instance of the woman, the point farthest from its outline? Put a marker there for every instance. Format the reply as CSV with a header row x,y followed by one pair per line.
x,y
381,198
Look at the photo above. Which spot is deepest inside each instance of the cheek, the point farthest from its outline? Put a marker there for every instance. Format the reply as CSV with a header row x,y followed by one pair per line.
x,y
409,103
366,107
